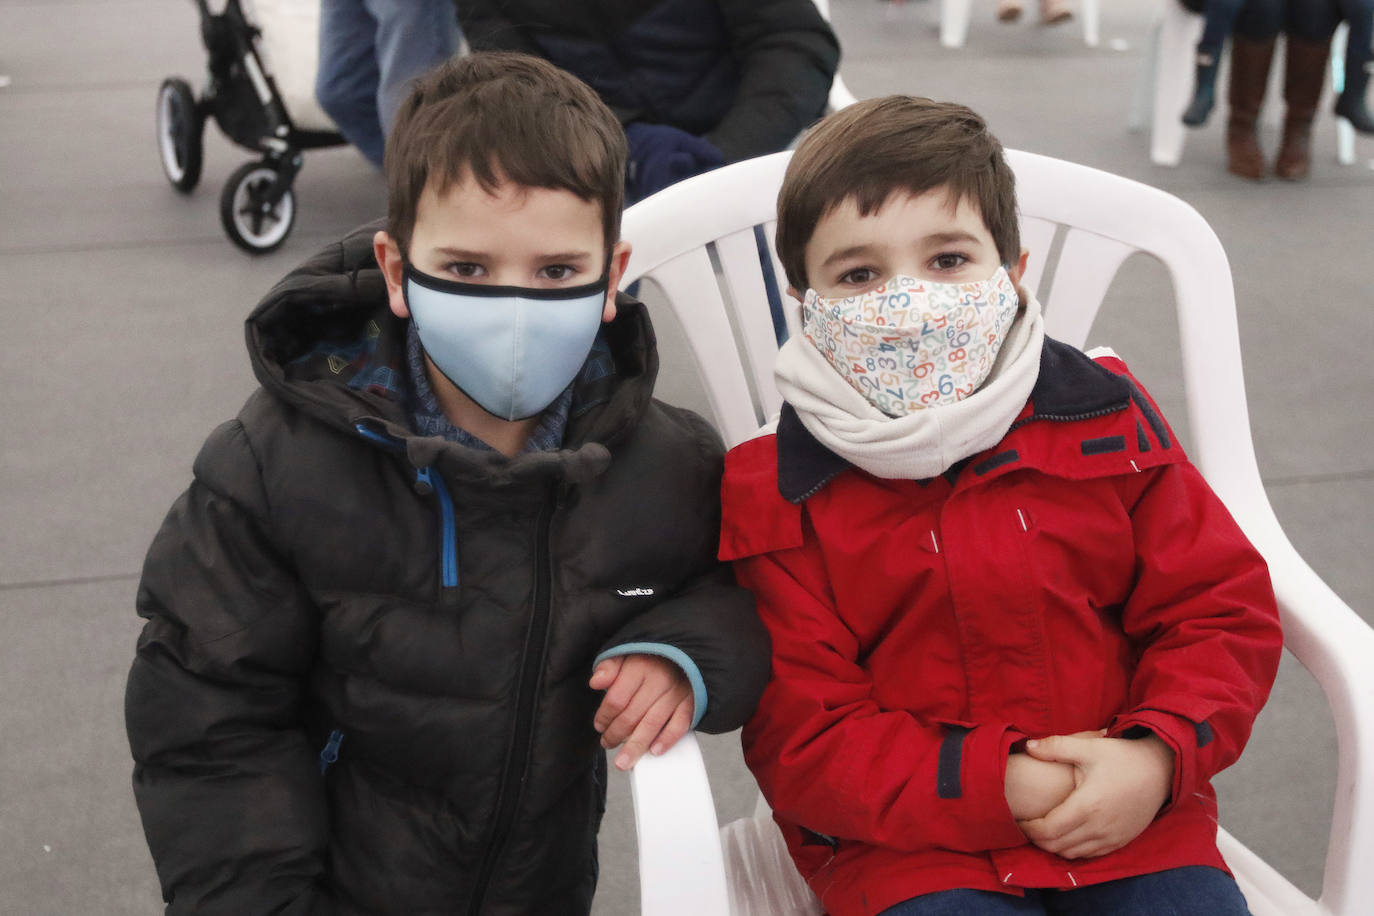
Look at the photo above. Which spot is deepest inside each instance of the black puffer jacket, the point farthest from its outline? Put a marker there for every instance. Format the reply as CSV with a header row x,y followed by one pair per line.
x,y
748,75
432,609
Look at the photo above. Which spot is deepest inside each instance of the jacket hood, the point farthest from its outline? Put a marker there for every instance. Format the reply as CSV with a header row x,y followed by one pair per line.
x,y
324,341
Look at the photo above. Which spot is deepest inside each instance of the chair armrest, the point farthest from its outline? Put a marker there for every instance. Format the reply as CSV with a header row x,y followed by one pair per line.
x,y
1337,647
681,867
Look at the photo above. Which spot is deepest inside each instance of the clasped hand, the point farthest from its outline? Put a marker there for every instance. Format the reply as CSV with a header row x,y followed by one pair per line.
x,y
1087,795
648,705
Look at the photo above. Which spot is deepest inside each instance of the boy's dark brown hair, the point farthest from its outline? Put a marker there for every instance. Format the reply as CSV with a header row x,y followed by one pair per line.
x,y
896,143
502,116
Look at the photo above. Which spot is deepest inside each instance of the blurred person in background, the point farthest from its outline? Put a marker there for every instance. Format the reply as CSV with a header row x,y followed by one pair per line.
x,y
1359,59
370,50
697,83
1221,16
1308,26
1052,12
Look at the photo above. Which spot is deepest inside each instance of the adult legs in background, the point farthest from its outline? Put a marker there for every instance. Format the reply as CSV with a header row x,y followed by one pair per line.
x,y
412,37
1309,29
1052,12
1220,19
1191,891
347,79
1252,52
370,50
1359,57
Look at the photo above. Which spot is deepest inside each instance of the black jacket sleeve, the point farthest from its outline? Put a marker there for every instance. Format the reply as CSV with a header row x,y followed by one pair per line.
x,y
787,55
487,28
709,618
225,779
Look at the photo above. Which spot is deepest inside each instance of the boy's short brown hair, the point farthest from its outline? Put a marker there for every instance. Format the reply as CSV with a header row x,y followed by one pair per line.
x,y
503,116
896,143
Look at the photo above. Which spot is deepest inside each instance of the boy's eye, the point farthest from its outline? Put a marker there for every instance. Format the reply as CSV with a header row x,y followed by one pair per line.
x,y
949,261
557,271
465,269
859,276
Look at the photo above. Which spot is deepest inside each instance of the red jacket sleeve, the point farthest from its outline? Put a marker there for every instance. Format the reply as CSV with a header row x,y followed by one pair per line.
x,y
829,759
1204,610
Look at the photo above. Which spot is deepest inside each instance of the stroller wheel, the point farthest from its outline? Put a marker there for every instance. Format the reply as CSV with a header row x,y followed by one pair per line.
x,y
254,223
179,126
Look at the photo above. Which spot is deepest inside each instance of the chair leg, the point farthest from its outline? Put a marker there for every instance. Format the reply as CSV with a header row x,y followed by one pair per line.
x,y
954,17
1092,23
1142,94
1178,36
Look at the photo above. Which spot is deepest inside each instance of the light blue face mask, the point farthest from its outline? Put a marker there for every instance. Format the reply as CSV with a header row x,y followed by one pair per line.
x,y
510,349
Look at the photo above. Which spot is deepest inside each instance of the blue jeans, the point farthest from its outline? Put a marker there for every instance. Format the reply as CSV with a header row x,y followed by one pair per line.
x,y
370,50
1192,891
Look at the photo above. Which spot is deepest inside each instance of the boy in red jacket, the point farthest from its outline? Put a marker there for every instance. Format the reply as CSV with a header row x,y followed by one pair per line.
x,y
1014,631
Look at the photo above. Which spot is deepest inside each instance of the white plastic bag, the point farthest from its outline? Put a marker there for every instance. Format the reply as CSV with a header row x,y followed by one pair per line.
x,y
290,48
762,879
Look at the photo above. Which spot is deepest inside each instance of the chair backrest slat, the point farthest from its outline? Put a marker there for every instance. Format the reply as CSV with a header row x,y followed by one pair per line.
x,y
742,275
1083,272
1037,237
690,278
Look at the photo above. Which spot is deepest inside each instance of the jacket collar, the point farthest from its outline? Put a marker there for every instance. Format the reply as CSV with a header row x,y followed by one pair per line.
x,y
1071,386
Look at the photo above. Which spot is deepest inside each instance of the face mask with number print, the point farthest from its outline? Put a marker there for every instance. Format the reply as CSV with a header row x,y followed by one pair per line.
x,y
911,344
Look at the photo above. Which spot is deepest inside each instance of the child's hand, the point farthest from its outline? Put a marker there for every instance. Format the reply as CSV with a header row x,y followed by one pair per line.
x,y
648,701
1036,787
1122,784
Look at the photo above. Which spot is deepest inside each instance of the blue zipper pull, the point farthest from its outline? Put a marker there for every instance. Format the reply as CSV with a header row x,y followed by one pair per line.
x,y
382,439
331,750
428,481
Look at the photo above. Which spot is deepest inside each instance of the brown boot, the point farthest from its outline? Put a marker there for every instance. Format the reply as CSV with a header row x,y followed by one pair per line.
x,y
1250,60
1304,74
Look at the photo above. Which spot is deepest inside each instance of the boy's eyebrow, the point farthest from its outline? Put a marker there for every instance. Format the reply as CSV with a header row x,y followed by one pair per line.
x,y
938,238
947,238
462,254
851,251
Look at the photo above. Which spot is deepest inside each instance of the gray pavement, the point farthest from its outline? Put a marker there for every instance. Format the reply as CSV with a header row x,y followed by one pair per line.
x,y
124,303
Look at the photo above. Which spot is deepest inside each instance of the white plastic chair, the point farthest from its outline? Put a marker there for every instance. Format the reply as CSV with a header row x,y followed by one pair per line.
x,y
1165,85
955,16
721,306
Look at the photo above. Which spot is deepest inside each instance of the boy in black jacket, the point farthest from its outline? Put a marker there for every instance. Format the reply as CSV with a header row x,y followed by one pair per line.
x,y
364,685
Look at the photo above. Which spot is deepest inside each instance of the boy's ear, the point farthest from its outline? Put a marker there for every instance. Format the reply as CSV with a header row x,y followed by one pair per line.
x,y
792,291
620,259
1017,270
389,260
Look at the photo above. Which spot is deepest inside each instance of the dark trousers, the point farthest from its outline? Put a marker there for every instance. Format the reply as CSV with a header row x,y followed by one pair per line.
x,y
1193,891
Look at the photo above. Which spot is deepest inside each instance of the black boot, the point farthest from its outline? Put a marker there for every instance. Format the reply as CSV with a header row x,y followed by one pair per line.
x,y
1204,88
1350,104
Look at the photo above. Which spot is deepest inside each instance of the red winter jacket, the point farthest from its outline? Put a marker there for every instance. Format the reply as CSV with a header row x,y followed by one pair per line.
x,y
1078,575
